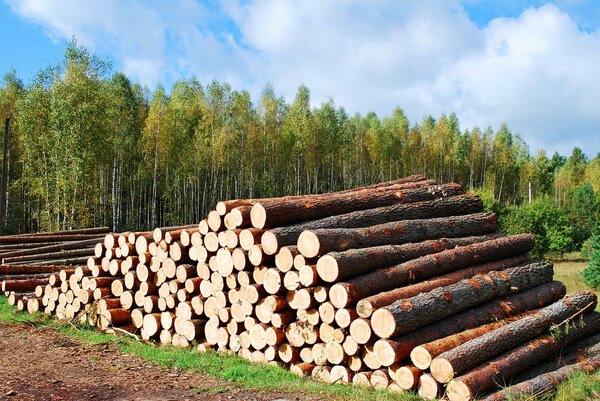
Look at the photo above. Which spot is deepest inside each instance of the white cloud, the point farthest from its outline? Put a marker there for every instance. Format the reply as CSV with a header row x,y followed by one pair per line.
x,y
537,72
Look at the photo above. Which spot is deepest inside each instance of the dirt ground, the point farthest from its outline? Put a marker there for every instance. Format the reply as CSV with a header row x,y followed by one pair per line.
x,y
41,364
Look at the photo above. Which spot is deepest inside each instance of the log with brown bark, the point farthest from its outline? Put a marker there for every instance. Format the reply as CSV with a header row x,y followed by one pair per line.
x,y
366,307
312,243
503,368
547,383
85,251
408,314
29,269
492,311
90,230
478,350
49,238
292,211
350,292
276,238
52,248
22,285
422,355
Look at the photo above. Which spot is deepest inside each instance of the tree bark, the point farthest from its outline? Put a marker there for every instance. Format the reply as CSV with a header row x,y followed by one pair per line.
x,y
350,292
474,352
276,238
366,307
517,360
490,312
408,314
321,241
292,211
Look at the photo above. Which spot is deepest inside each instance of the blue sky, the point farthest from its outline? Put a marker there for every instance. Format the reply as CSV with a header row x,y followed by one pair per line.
x,y
532,64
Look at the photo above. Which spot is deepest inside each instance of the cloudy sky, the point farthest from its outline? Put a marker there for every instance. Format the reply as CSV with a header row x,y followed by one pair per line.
x,y
532,64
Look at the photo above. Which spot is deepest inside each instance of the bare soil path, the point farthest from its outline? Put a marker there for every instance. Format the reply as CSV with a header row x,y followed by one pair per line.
x,y
42,364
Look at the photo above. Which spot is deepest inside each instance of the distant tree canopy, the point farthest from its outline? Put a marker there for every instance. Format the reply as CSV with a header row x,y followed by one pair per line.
x,y
89,147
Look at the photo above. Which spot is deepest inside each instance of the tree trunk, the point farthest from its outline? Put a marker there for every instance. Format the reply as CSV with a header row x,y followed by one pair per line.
x,y
517,360
476,351
408,314
345,294
319,242
490,312
366,307
291,211
276,238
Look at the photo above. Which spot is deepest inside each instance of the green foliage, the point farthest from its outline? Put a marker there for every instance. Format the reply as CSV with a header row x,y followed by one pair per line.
x,y
583,209
591,274
544,218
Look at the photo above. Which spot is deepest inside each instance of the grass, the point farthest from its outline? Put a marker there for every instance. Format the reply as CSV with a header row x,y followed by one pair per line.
x,y
570,274
224,366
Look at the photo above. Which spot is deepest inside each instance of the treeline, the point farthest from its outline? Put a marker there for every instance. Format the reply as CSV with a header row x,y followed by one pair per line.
x,y
89,147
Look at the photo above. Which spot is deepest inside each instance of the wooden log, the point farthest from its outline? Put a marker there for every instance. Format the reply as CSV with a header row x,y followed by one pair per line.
x,y
492,311
422,355
274,239
546,383
366,307
517,360
22,285
478,350
291,211
408,376
428,388
284,259
312,243
350,292
49,238
250,237
61,246
408,314
29,269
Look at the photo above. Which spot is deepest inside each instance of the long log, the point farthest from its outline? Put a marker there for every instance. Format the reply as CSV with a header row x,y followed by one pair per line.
x,y
312,243
225,207
408,314
366,307
65,261
91,230
547,383
86,251
350,292
291,211
49,238
478,350
29,269
510,364
492,311
422,355
274,239
22,285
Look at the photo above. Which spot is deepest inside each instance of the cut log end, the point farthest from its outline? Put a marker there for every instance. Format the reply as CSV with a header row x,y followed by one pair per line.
x,y
361,331
407,377
258,216
458,391
420,357
428,387
384,352
441,370
327,266
269,243
383,323
338,296
308,244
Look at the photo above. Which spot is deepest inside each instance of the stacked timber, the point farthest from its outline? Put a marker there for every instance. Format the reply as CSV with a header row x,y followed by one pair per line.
x,y
404,285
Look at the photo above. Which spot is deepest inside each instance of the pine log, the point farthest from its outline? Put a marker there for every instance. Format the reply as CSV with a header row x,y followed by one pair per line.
x,y
52,248
408,314
87,251
276,238
503,368
478,350
547,383
348,293
29,269
49,238
492,311
422,355
22,285
291,211
366,307
312,243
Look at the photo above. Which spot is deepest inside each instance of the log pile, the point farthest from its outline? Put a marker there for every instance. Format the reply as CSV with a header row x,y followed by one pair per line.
x,y
400,285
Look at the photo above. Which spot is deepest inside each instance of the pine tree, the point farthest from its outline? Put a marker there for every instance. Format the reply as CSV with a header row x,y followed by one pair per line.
x,y
591,274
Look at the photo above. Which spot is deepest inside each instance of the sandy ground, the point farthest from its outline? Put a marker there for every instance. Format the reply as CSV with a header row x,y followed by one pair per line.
x,y
41,364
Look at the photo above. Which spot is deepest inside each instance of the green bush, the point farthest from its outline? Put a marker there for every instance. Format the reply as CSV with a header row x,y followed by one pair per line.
x,y
591,274
544,218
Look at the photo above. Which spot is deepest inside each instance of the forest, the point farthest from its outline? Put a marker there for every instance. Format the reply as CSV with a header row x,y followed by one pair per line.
x,y
89,147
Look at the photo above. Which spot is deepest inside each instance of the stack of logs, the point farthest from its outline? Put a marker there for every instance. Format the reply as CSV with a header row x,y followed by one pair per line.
x,y
400,285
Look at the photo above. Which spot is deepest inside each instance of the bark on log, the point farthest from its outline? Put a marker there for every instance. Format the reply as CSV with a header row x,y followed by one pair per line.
x,y
492,311
276,238
291,211
52,248
22,285
366,307
345,294
29,269
474,352
408,314
506,366
50,238
312,243
86,251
